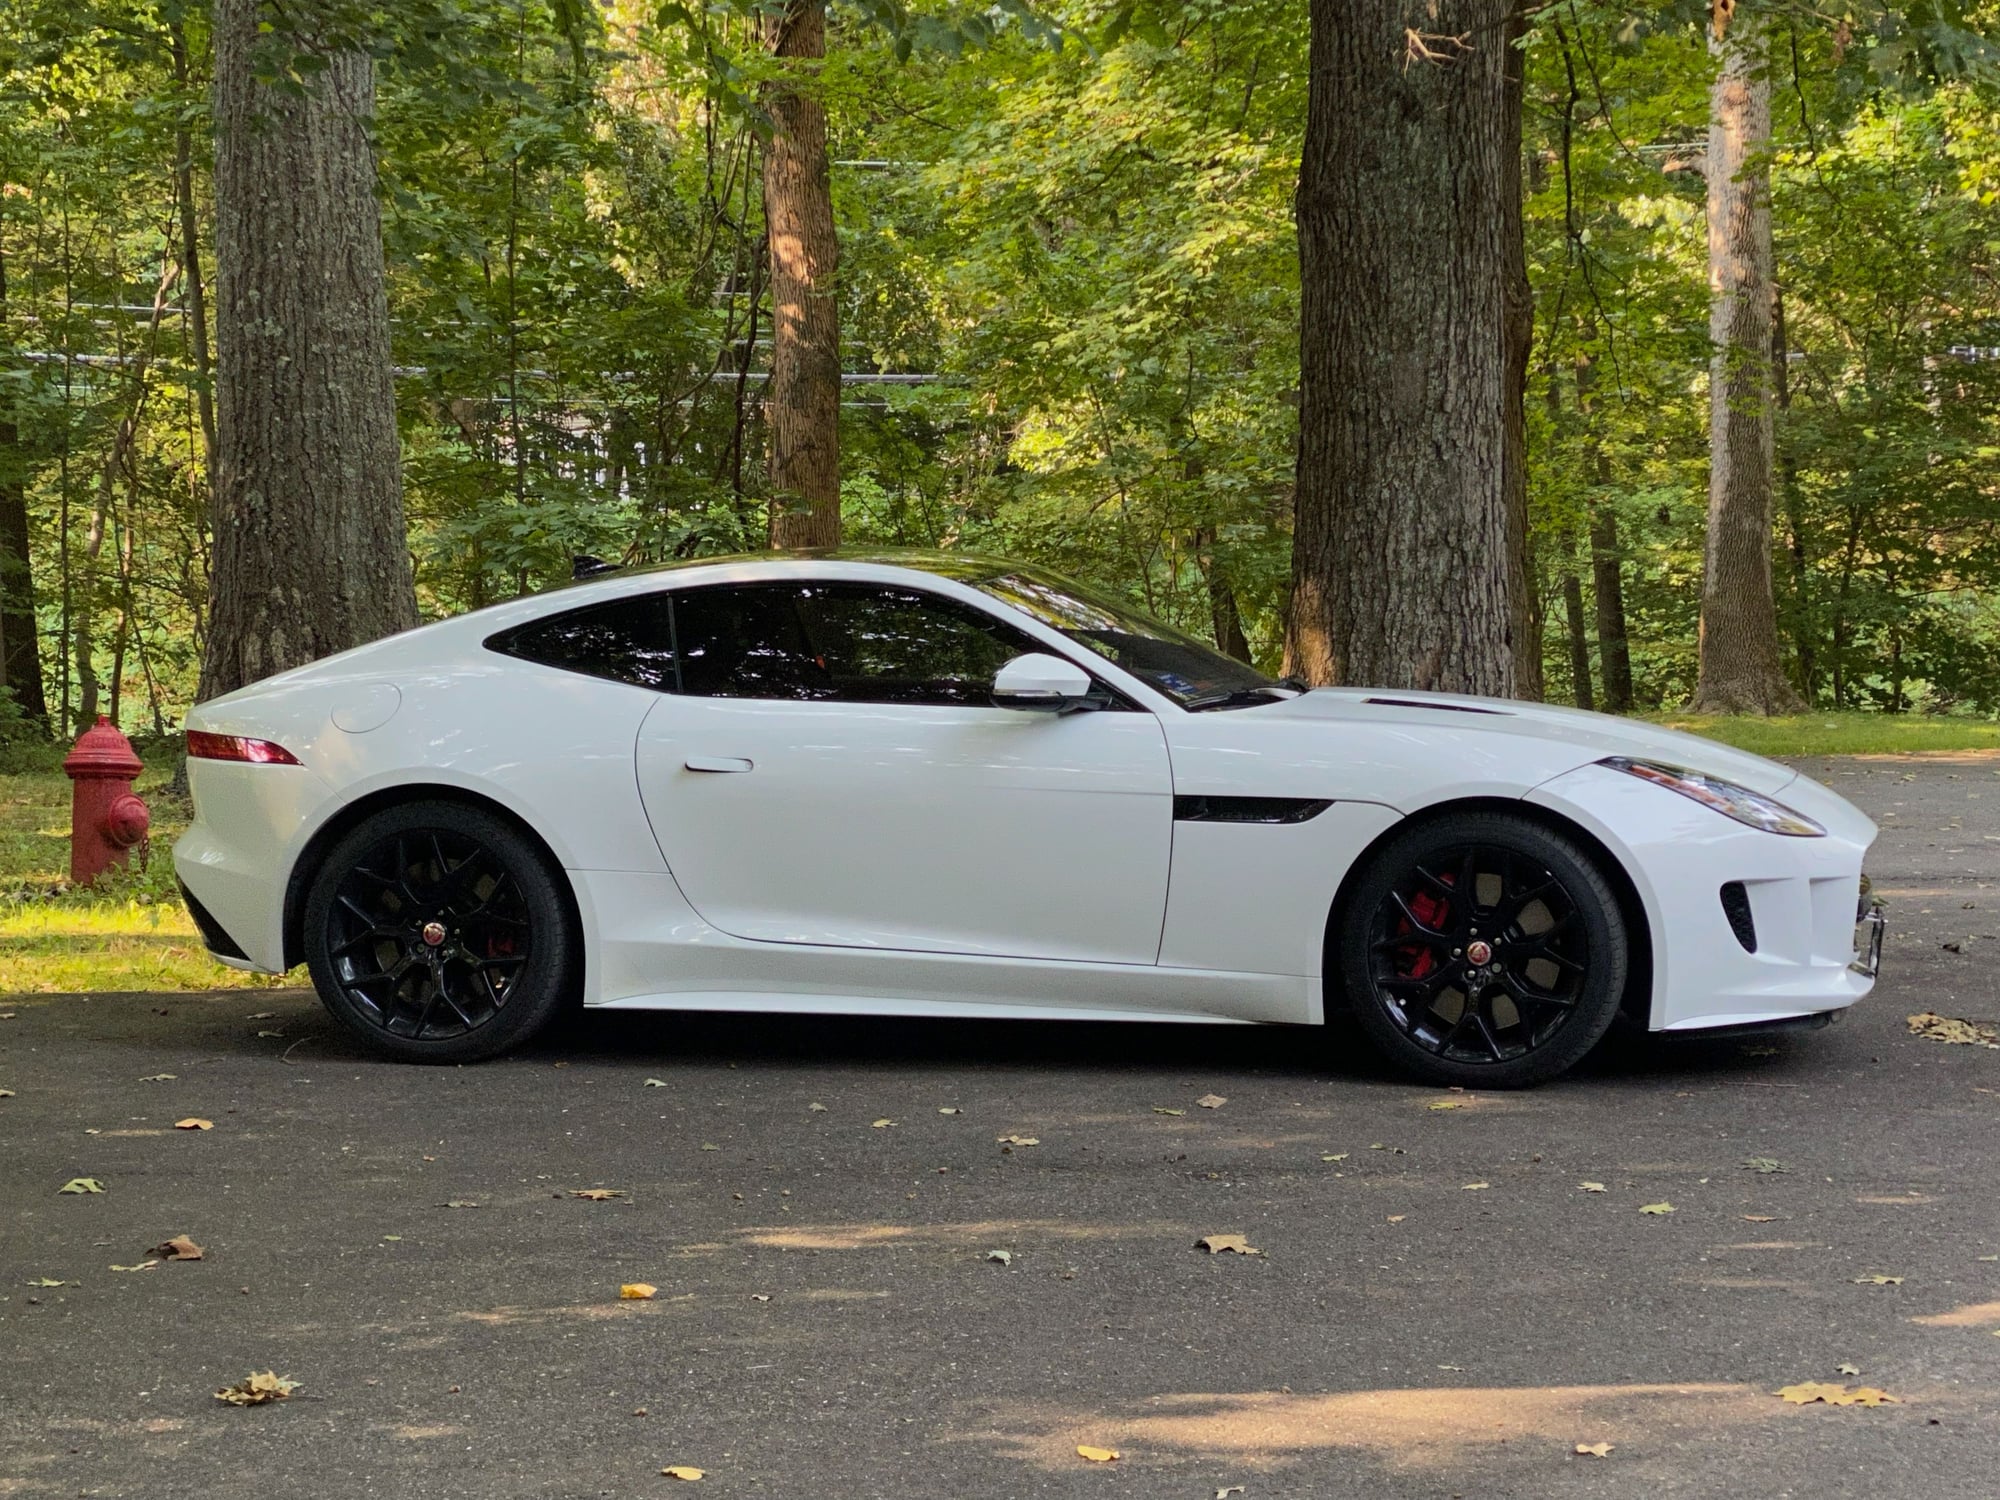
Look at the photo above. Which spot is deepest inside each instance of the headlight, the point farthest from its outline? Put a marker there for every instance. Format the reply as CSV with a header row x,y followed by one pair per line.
x,y
1726,797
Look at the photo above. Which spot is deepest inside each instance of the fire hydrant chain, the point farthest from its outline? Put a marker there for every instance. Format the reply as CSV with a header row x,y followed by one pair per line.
x,y
107,818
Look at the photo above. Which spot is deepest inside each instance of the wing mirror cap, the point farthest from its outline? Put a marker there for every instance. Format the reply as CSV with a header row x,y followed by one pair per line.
x,y
1041,682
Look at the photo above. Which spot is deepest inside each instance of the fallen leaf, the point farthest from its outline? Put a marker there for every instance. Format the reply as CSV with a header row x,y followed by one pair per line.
x,y
818,1109
194,1122
1337,1156
946,1110
158,1078
884,1123
1447,1104
1397,1218
1848,1370
1809,1391
180,1247
760,1296
144,1265
1097,1455
1018,1140
1211,1101
1933,1027
710,1146
81,1185
279,1033
1159,1110
1876,1279
1227,1490
1592,1187
654,1083
262,1015
638,1291
597,1195
1763,1164
1760,1218
1473,1187
1004,1257
1216,1244
6,1093
684,1471
1595,1450
51,1281
257,1389
1656,1208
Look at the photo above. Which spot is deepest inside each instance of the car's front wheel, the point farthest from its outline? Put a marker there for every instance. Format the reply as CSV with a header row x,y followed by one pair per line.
x,y
437,933
1485,951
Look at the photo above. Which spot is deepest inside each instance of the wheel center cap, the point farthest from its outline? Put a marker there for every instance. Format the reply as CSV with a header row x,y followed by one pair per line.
x,y
434,934
1476,953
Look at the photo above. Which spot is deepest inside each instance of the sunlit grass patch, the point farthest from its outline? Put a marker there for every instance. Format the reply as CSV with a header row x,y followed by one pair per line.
x,y
63,947
1840,733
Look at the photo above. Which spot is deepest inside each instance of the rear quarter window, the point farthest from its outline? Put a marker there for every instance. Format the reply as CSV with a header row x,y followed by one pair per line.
x,y
623,640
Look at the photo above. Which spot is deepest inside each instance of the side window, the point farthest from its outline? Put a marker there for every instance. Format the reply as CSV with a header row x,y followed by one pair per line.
x,y
850,643
626,640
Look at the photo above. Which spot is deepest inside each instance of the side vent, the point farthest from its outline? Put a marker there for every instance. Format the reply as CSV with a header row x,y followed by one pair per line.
x,y
1446,708
213,936
1736,907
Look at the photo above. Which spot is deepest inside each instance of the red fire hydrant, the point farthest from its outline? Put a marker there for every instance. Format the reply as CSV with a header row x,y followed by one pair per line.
x,y
106,818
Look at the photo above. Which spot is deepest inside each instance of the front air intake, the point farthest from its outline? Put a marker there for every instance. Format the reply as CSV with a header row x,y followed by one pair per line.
x,y
1736,907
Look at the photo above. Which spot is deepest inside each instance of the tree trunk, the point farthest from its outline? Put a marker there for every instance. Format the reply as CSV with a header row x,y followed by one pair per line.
x,y
195,321
311,554
1579,642
1740,671
20,648
1614,658
1409,543
803,401
1224,616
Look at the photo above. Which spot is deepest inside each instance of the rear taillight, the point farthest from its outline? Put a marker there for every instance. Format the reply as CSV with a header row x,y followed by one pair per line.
x,y
201,745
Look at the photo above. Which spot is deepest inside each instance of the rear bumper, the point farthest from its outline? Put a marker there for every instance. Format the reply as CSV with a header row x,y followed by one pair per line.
x,y
235,859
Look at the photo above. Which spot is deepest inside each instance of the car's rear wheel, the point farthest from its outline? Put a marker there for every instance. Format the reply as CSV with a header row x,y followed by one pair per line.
x,y
1485,950
437,933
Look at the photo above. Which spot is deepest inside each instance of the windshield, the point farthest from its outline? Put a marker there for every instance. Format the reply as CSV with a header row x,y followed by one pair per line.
x,y
1194,675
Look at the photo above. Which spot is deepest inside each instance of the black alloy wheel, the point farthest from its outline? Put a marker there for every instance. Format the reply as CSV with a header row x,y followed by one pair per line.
x,y
436,932
1485,950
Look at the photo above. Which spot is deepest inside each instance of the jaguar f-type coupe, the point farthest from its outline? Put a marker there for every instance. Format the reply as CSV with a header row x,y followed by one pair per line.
x,y
918,784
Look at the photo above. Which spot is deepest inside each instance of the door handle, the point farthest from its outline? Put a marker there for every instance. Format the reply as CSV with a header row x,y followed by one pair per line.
x,y
717,763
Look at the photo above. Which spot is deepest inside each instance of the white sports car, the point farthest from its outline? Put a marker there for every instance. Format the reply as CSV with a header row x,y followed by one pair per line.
x,y
944,785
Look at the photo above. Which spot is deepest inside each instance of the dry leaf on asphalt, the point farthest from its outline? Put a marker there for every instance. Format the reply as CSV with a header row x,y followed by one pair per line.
x,y
1933,1027
1397,1218
1337,1156
180,1247
144,1265
51,1281
1809,1391
1097,1455
597,1195
158,1078
1227,1490
946,1110
884,1123
818,1109
1004,1257
257,1389
1763,1164
1592,1187
684,1471
1447,1104
6,1093
654,1083
1211,1101
461,1203
1656,1208
81,1185
270,1033
261,1015
1877,1279
638,1291
1595,1450
194,1122
1760,1218
1216,1244
1018,1140
1847,1370
1160,1110
1473,1187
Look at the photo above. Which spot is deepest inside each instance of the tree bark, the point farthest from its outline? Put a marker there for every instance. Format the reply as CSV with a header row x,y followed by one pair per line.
x,y
1740,670
1409,541
195,321
1579,642
20,647
311,554
802,404
1614,657
1224,616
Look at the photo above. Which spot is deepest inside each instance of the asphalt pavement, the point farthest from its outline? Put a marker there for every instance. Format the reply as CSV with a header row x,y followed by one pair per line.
x,y
862,1290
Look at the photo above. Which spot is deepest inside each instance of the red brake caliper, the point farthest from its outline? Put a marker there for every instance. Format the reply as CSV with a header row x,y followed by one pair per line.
x,y
1429,909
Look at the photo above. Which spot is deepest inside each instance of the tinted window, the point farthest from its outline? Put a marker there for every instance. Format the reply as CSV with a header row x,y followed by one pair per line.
x,y
852,643
627,640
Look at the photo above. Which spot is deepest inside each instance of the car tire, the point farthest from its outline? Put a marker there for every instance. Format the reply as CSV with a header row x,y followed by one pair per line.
x,y
1513,1002
438,932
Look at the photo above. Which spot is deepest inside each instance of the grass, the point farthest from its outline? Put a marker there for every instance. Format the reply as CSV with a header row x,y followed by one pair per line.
x,y
1841,733
132,933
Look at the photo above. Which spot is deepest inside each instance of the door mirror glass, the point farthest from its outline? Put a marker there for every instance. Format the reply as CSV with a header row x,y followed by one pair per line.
x,y
1042,682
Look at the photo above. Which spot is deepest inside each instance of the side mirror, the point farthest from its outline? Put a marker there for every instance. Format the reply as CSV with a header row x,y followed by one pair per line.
x,y
1041,683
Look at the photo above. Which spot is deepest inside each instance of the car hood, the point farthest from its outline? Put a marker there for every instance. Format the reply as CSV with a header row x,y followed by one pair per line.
x,y
1591,736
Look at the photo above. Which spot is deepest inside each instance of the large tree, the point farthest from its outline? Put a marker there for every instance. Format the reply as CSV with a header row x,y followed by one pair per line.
x,y
803,403
1409,555
1740,668
310,551
20,650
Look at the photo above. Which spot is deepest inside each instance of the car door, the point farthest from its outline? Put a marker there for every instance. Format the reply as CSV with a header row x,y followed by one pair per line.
x,y
832,771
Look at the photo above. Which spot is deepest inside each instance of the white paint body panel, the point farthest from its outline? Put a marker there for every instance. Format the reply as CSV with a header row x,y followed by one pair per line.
x,y
969,861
